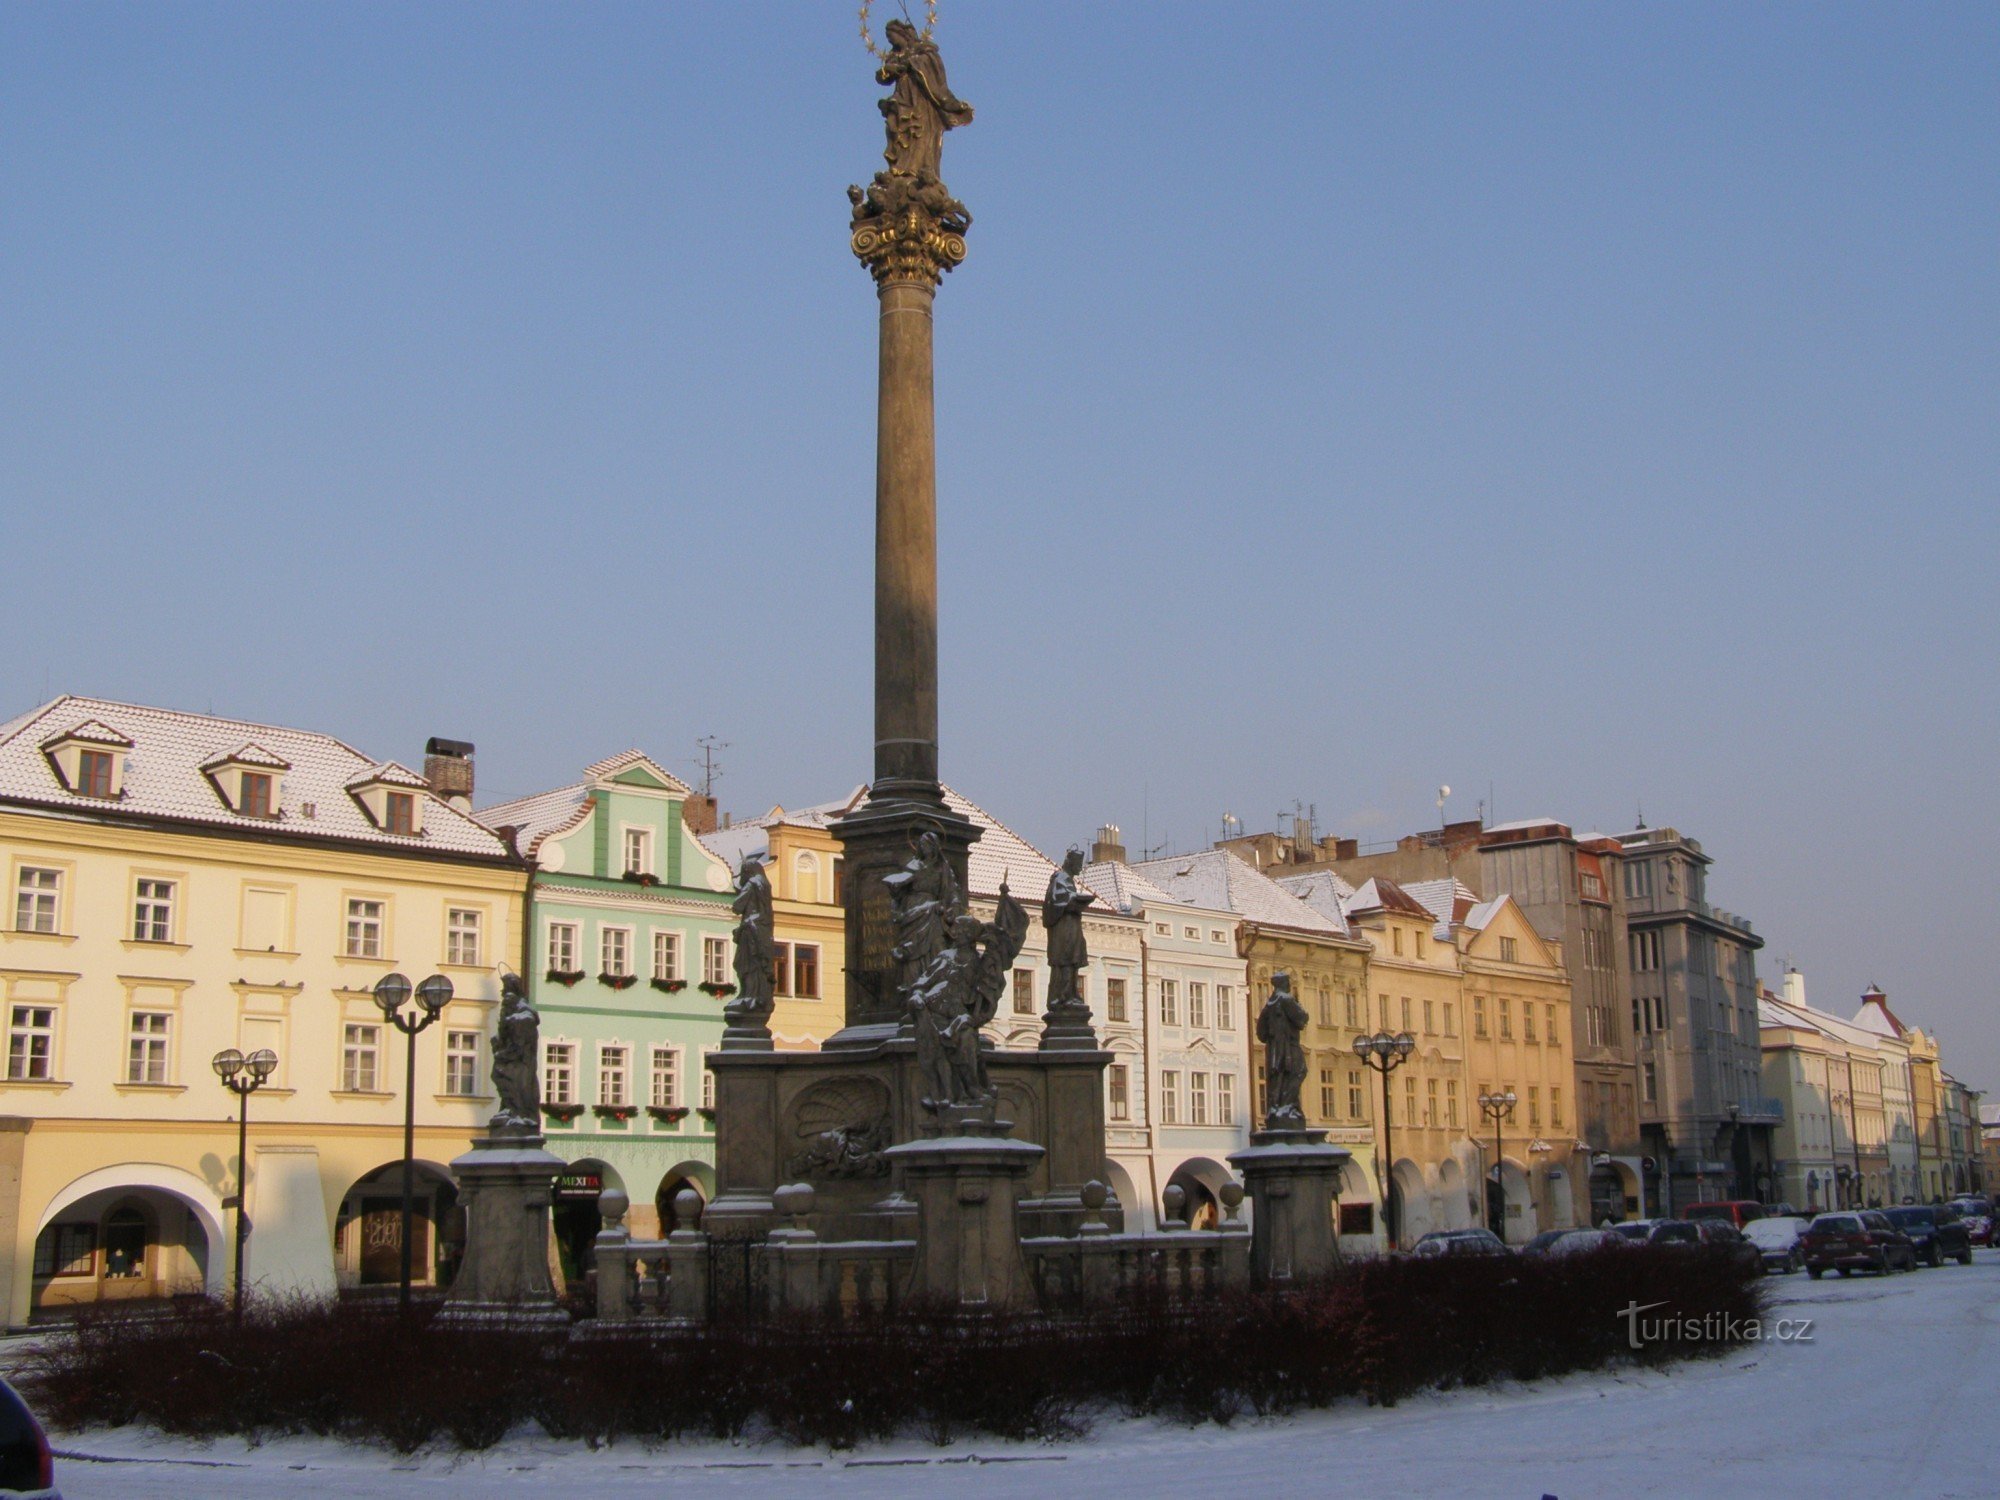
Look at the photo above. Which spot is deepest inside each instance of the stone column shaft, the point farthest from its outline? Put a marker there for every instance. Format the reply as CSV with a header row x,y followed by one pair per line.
x,y
906,671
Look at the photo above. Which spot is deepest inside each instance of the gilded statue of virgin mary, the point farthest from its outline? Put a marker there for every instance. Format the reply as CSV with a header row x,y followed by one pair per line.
x,y
921,108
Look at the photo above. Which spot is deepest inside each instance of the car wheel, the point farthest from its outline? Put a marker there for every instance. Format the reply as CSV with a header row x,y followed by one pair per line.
x,y
1934,1256
1815,1272
1965,1257
1846,1271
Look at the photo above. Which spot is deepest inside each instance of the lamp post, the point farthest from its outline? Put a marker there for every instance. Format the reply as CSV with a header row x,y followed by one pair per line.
x,y
1497,1107
1385,1052
392,992
243,1076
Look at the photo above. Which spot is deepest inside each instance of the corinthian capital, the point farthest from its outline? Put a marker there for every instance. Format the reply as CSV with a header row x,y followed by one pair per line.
x,y
907,228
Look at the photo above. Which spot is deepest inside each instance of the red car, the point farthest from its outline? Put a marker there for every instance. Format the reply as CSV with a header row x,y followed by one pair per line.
x,y
1857,1240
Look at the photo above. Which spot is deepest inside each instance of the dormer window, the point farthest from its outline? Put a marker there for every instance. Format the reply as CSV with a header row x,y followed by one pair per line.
x,y
247,779
89,760
256,800
392,798
400,814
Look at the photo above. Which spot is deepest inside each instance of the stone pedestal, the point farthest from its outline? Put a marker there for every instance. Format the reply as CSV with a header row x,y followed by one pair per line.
x,y
505,1183
1291,1176
966,1189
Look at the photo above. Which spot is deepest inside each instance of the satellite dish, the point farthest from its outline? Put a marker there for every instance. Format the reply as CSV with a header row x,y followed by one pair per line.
x,y
1444,791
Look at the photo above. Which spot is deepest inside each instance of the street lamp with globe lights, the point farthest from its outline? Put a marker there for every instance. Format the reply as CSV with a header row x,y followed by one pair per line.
x,y
392,993
1385,1052
243,1076
1497,1107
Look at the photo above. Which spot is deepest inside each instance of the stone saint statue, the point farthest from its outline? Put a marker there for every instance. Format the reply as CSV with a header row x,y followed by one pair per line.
x,y
921,107
924,897
1062,913
754,950
517,1045
957,993
1279,1025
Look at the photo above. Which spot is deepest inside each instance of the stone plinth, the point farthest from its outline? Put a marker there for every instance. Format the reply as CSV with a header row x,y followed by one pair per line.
x,y
1291,1176
967,1190
505,1183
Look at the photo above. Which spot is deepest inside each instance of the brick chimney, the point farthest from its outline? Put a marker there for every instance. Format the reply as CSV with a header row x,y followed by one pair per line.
x,y
448,768
1110,846
698,812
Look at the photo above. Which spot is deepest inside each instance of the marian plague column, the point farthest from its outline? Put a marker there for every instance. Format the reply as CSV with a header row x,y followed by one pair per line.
x,y
907,230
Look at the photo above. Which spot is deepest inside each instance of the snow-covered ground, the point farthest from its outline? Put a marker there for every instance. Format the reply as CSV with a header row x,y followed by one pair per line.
x,y
1889,1397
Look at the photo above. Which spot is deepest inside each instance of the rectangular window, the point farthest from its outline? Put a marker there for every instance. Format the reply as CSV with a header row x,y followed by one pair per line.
x,y
1192,934
1170,1002
1407,1017
1225,1008
1353,1011
666,1085
153,912
1197,1004
1450,1019
1645,952
1170,1097
146,1047
461,1063
1510,950
1549,1016
666,955
1479,1015
1384,1001
1451,1103
781,968
401,808
1506,1020
461,935
1327,1091
93,773
364,929
1410,1101
1556,1108
1430,1018
638,851
1325,1006
1534,1107
1396,940
715,960
1354,1095
36,898
1118,1080
255,794
707,1083
1024,992
1638,879
1225,1098
360,1058
614,1074
1217,935
559,1073
66,1250
1527,1021
562,947
1197,1098
1114,999
1650,1080
614,951
1593,887
1430,1101
805,971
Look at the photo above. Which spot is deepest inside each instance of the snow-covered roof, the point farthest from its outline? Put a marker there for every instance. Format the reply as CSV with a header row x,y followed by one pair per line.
x,y
1220,881
1776,1012
1451,901
1123,888
538,816
1522,825
1325,892
165,752
753,835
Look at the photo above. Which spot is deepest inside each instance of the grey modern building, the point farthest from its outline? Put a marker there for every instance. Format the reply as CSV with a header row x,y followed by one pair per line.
x,y
1693,976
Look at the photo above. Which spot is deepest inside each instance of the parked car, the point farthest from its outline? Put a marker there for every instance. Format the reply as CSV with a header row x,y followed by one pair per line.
x,y
1570,1241
1973,1203
1979,1228
1659,1231
1459,1242
27,1470
1727,1237
1935,1232
1777,1240
1857,1240
1736,1211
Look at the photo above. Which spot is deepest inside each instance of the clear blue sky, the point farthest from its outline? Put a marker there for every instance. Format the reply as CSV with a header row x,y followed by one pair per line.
x,y
1593,402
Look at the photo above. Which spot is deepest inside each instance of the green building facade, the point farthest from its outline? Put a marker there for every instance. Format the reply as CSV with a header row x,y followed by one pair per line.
x,y
629,963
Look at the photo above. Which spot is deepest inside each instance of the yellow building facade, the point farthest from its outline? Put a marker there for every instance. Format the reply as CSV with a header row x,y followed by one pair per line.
x,y
181,885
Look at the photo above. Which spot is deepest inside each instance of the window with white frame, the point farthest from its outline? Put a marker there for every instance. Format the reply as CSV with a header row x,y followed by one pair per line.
x,y
707,1083
1024,992
1170,1002
614,951
146,1047
37,899
562,947
31,1043
1197,1004
1163,929
559,1072
714,960
1225,1008
1217,935
1191,934
1197,1098
153,912
1118,1081
666,955
360,1057
665,1089
461,935
638,851
614,1074
805,971
1225,1098
461,1063
1114,999
364,929
1170,1097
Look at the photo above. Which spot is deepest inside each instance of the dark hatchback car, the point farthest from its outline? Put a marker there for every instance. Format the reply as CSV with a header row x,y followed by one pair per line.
x,y
1857,1240
27,1471
1935,1232
1459,1242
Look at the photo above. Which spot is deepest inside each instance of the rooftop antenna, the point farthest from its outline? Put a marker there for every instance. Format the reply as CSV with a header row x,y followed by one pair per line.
x,y
1443,793
1229,821
710,766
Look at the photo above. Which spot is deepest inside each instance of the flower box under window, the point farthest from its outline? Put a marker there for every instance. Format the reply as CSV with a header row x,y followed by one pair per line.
x,y
566,976
619,981
641,877
707,1112
670,986
562,1112
720,991
614,1111
670,1114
